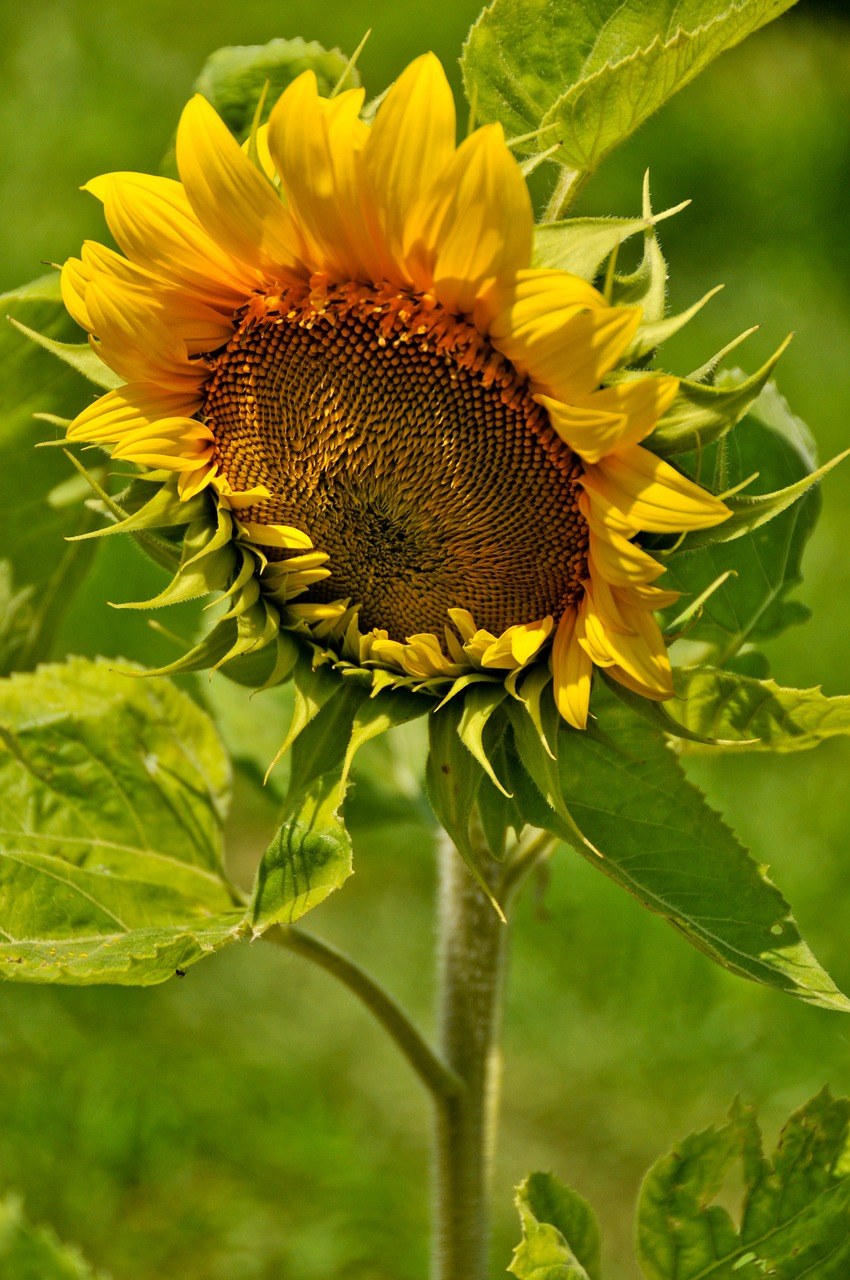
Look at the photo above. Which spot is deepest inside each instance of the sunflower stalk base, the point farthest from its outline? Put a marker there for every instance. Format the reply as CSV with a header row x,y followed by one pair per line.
x,y
471,960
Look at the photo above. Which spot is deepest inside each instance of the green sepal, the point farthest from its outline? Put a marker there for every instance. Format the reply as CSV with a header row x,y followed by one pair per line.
x,y
165,509
703,413
757,715
202,570
498,812
582,245
646,286
540,765
751,575
310,855
207,654
478,704
161,551
795,1217
453,779
750,512
560,1232
653,333
79,356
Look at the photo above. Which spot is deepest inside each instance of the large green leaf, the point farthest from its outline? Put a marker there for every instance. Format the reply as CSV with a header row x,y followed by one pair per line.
x,y
34,1253
648,828
560,1233
795,1217
756,715
586,75
763,566
114,791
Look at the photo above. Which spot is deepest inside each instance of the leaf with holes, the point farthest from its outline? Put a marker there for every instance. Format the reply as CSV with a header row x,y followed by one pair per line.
x,y
795,1217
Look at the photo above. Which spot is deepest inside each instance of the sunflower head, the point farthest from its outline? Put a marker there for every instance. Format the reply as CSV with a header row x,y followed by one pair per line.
x,y
391,441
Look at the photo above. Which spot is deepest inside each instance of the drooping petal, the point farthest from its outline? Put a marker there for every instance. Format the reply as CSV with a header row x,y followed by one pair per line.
x,y
409,146
558,331
317,146
154,224
571,672
601,423
617,559
651,494
627,639
232,200
474,229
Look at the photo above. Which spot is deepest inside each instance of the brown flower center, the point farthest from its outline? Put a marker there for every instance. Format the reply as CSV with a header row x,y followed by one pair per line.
x,y
409,450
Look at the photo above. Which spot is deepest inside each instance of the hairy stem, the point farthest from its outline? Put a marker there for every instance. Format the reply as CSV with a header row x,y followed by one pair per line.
x,y
472,943
438,1078
570,183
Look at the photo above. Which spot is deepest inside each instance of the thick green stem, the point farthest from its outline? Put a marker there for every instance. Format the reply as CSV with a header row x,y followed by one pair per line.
x,y
472,943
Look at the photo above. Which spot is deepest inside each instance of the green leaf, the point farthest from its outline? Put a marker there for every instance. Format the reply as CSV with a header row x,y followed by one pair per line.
x,y
560,1232
657,838
586,76
110,840
34,1253
763,566
757,715
234,78
795,1217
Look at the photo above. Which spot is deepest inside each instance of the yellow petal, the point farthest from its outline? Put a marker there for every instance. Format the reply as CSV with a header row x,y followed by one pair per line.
x,y
558,331
192,482
200,328
276,535
650,494
473,232
135,343
409,145
516,646
232,200
72,283
264,155
571,672
642,401
154,224
607,420
317,146
636,645
613,556
119,412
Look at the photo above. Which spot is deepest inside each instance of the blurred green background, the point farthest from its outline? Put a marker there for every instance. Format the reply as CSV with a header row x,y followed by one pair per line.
x,y
249,1122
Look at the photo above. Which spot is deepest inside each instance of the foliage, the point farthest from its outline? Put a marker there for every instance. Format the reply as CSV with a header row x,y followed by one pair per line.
x,y
583,78
34,1253
794,1220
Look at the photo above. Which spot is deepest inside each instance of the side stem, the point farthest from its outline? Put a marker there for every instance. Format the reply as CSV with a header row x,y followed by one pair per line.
x,y
472,944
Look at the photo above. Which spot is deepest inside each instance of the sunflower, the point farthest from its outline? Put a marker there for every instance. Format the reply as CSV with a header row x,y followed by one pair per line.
x,y
432,449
